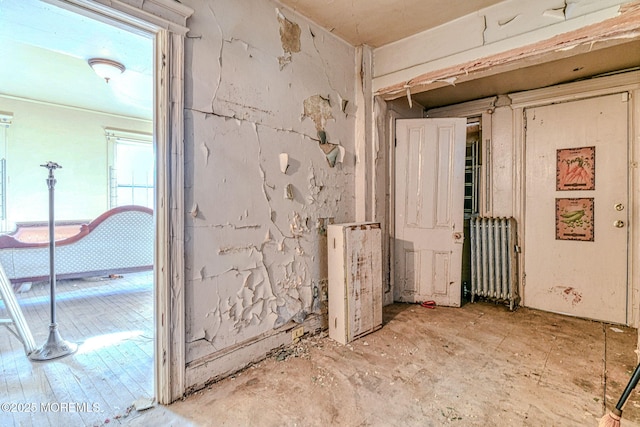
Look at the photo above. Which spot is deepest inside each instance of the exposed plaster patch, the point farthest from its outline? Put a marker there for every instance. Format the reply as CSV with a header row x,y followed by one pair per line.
x,y
289,34
318,109
289,38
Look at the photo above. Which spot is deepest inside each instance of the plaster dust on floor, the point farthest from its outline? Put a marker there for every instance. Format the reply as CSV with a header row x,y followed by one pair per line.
x,y
479,365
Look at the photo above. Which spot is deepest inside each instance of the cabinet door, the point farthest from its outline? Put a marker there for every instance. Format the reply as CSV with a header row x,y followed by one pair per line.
x,y
364,279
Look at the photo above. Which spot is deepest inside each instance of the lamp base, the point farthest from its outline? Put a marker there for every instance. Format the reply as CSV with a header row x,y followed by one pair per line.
x,y
54,348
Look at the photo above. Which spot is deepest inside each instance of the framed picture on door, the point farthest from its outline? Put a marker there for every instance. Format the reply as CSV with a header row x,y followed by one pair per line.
x,y
574,219
576,169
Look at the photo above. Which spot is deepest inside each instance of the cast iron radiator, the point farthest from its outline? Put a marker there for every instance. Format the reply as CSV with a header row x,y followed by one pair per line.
x,y
494,261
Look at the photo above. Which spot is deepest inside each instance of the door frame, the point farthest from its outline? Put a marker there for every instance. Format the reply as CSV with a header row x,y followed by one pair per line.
x,y
478,108
624,82
165,22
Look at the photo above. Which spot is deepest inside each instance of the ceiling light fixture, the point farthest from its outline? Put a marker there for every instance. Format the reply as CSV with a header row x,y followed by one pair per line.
x,y
106,68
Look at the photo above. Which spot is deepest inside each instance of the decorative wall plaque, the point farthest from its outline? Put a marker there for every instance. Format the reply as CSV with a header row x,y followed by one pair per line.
x,y
576,169
574,219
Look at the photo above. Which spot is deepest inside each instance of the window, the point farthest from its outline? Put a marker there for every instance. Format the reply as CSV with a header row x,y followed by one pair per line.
x,y
131,171
472,170
5,122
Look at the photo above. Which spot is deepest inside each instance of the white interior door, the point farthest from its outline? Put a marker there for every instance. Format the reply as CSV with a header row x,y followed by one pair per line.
x,y
576,262
429,208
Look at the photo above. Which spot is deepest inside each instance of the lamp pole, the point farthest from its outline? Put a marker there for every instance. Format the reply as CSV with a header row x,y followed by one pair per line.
x,y
55,346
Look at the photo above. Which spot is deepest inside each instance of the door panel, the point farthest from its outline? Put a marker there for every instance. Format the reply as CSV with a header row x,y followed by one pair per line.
x,y
577,277
429,198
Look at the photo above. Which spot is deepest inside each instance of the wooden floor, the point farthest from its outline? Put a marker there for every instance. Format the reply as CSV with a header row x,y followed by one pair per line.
x,y
112,321
479,365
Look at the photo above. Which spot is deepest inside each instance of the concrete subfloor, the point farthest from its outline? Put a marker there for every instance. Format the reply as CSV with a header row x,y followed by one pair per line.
x,y
479,365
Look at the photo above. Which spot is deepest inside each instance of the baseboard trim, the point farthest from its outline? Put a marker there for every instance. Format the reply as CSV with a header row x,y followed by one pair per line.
x,y
212,368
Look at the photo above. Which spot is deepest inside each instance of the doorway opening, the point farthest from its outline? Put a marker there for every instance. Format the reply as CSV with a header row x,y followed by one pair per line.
x,y
472,173
104,247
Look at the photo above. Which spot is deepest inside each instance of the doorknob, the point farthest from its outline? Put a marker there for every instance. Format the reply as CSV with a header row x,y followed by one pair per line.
x,y
618,224
618,206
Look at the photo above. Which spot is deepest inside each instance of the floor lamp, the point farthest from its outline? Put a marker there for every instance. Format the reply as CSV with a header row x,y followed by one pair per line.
x,y
55,346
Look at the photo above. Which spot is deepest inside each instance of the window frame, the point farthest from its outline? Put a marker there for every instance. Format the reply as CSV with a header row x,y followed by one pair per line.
x,y
115,136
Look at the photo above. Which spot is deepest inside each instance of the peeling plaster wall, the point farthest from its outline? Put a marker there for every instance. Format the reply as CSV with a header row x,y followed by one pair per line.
x,y
507,25
253,243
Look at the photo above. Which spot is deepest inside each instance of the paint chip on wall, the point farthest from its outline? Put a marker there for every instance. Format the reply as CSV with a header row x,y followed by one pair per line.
x,y
284,162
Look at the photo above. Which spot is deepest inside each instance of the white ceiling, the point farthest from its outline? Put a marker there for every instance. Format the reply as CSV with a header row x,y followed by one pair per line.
x,y
45,53
379,22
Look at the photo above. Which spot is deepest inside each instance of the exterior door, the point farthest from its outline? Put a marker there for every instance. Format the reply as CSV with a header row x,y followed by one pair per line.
x,y
577,209
429,199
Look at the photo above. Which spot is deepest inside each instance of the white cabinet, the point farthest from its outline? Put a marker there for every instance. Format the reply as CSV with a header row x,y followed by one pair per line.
x,y
355,280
